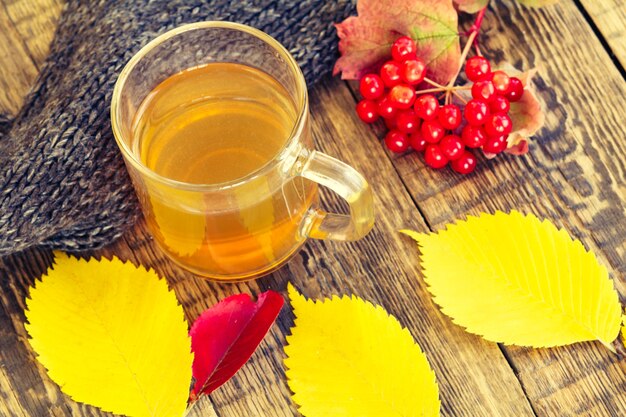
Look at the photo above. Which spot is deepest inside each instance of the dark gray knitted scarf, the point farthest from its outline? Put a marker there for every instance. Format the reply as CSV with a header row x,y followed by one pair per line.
x,y
62,179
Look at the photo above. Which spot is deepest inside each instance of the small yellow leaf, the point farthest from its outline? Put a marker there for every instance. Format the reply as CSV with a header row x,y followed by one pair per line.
x,y
111,335
347,357
517,280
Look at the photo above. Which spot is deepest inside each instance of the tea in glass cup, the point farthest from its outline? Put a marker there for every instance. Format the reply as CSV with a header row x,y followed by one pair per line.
x,y
212,120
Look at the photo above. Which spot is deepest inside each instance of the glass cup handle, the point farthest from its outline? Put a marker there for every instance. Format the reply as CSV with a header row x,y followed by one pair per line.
x,y
350,185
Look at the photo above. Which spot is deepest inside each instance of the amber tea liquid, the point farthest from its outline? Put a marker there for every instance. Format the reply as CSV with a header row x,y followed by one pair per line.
x,y
214,125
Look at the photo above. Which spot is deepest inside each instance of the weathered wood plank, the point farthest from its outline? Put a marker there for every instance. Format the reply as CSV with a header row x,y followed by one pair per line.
x,y
381,268
17,70
609,16
35,22
574,175
32,393
474,377
26,30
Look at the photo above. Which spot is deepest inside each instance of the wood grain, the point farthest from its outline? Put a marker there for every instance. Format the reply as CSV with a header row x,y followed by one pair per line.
x,y
573,175
609,17
26,30
18,70
381,268
35,22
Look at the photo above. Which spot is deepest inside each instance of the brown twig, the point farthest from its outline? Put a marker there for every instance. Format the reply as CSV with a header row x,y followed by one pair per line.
x,y
466,50
460,97
472,34
433,83
449,89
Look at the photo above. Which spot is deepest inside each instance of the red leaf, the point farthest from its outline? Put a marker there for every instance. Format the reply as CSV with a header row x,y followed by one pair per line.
x,y
226,335
365,41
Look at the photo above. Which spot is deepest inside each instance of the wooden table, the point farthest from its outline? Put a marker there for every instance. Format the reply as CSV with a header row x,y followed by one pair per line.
x,y
575,174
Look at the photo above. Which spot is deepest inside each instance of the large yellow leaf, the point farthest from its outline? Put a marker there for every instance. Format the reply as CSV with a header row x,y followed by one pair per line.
x,y
112,335
517,280
347,357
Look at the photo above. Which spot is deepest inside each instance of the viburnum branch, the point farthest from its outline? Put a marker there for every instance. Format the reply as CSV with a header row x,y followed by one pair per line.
x,y
430,90
392,96
466,50
475,28
473,33
460,97
443,89
433,83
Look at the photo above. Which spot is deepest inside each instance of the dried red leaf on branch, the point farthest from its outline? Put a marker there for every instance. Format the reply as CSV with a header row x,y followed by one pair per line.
x,y
526,114
365,40
471,6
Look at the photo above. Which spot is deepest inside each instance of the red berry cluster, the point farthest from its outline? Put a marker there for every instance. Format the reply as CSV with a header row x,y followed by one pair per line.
x,y
416,119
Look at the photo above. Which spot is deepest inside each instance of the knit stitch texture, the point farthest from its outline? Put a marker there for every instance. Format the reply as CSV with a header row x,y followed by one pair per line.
x,y
63,183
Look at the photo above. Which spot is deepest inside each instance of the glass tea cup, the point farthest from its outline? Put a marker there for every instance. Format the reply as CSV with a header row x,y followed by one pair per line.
x,y
212,120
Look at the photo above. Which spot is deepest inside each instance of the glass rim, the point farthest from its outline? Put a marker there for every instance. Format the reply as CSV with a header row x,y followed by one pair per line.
x,y
292,140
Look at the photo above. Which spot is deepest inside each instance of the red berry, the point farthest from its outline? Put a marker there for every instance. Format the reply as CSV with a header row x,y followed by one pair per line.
x,y
476,112
449,116
426,107
417,141
465,163
402,96
495,145
501,82
483,90
390,122
498,125
476,68
434,157
396,141
366,110
371,87
499,105
407,121
403,48
385,108
452,147
413,71
473,136
516,89
390,73
432,131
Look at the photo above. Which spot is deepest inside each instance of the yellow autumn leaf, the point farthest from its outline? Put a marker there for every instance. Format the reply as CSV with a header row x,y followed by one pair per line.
x,y
514,279
111,335
347,357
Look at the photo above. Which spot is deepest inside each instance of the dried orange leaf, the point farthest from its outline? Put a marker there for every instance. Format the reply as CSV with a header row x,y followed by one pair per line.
x,y
514,279
526,114
347,357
